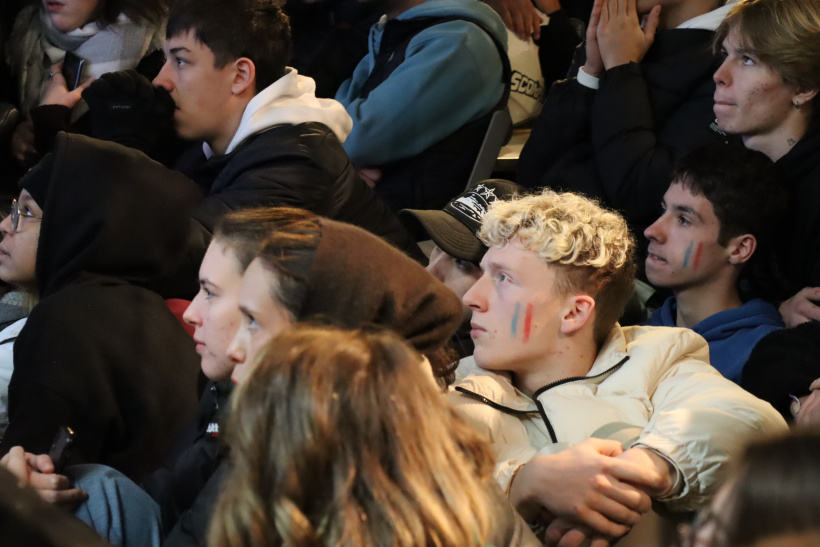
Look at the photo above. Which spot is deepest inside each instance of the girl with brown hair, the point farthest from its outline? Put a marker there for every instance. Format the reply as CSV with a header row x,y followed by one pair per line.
x,y
339,438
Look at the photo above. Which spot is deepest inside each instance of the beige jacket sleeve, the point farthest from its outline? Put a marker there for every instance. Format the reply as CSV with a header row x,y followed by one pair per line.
x,y
700,420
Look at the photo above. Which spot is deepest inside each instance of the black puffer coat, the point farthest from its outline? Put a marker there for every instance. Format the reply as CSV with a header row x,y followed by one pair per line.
x,y
302,165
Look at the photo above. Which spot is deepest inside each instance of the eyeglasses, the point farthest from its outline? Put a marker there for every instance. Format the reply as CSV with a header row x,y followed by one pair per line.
x,y
16,214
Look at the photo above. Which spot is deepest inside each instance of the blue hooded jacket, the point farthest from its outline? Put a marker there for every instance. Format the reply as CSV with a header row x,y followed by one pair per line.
x,y
451,75
731,334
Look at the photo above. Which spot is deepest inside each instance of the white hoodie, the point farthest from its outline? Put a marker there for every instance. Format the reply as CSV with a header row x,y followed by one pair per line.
x,y
289,100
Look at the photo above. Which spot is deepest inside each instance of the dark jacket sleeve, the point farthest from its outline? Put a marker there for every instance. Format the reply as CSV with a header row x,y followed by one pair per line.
x,y
562,125
783,363
193,460
44,394
114,365
633,153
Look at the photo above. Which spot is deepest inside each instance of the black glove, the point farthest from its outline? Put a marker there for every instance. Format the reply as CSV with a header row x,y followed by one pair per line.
x,y
127,109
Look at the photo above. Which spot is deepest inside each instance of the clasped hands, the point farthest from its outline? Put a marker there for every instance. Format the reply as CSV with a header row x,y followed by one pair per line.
x,y
592,493
617,35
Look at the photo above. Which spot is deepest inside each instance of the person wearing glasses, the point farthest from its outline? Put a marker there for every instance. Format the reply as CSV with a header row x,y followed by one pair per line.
x,y
18,253
100,353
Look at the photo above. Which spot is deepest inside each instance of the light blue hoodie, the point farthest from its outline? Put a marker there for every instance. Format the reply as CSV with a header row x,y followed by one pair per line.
x,y
731,334
451,75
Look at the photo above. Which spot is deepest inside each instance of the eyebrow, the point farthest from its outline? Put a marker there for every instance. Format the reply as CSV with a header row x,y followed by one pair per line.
x,y
175,50
687,209
205,281
739,49
492,267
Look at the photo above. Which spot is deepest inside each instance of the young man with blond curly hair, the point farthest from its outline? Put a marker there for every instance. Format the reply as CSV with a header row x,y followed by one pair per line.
x,y
590,421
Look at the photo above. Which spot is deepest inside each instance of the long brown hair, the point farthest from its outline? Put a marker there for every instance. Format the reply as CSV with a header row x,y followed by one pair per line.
x,y
339,438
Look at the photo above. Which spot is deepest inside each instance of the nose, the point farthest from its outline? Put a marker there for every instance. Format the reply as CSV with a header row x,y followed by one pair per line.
x,y
236,350
722,75
5,225
163,79
475,297
192,315
654,232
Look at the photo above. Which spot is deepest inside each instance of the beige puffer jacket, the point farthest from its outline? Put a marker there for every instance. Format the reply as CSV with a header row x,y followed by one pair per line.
x,y
653,384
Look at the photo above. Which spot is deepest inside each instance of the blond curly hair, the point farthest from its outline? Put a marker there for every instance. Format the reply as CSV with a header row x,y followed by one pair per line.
x,y
591,246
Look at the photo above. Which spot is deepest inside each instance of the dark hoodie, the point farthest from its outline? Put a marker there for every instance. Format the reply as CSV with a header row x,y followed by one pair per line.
x,y
356,278
100,353
784,364
800,250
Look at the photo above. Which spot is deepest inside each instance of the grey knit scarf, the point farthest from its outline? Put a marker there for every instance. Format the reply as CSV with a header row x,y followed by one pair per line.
x,y
36,45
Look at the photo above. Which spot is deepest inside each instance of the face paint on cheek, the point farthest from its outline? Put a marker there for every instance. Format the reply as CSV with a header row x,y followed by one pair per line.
x,y
697,255
528,322
687,254
514,325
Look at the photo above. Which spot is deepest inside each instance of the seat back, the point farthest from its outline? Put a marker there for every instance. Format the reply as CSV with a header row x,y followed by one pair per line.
x,y
497,135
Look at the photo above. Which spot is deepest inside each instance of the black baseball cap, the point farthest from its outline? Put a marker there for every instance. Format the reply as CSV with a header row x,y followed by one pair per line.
x,y
454,228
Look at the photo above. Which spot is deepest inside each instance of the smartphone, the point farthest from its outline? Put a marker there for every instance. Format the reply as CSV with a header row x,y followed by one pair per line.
x,y
73,70
61,448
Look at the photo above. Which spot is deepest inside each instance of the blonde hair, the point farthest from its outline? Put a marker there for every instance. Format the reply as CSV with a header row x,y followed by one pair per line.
x,y
591,247
784,34
341,438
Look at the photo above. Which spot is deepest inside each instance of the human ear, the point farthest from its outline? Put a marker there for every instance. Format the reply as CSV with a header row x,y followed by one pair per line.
x,y
741,248
577,313
802,97
244,76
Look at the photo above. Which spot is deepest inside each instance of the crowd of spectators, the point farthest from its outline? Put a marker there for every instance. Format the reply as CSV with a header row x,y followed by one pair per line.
x,y
216,323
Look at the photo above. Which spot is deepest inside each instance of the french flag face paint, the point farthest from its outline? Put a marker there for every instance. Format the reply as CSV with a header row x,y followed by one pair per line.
x,y
517,321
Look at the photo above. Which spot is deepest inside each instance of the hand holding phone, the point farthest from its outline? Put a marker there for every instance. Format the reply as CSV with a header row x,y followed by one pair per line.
x,y
73,70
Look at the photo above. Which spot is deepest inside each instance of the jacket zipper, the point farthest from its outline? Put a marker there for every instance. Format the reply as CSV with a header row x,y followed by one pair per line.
x,y
493,404
557,383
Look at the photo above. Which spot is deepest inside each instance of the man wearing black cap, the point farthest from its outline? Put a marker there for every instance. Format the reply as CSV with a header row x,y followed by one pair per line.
x,y
457,252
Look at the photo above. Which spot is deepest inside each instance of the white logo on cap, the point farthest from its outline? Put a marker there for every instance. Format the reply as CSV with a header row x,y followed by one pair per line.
x,y
476,203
